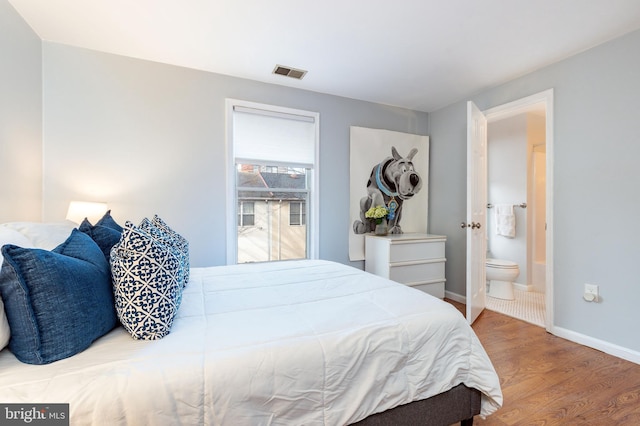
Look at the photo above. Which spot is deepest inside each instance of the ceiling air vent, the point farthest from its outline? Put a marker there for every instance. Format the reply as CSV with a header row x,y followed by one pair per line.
x,y
289,72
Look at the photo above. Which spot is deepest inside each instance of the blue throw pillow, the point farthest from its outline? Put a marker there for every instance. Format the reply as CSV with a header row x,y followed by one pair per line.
x,y
57,302
147,283
109,222
104,236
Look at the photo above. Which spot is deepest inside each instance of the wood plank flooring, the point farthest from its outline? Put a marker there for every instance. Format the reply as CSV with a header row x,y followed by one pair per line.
x,y
547,380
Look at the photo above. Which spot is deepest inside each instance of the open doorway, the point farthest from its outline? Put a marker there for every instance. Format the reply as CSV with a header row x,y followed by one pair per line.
x,y
522,176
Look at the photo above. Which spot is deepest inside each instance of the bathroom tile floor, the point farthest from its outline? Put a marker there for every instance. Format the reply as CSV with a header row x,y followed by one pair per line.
x,y
528,306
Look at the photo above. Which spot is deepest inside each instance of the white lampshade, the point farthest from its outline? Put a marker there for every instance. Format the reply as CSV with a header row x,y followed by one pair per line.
x,y
78,210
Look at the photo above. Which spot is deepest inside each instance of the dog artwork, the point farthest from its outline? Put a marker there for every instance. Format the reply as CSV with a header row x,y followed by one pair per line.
x,y
392,182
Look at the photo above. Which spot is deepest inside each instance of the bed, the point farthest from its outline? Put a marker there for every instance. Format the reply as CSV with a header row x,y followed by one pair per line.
x,y
297,342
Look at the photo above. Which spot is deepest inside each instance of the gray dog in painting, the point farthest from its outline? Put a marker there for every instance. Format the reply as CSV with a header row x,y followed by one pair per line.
x,y
391,182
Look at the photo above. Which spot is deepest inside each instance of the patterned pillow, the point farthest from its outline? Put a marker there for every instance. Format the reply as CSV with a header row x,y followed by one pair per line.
x,y
163,238
147,283
57,302
165,233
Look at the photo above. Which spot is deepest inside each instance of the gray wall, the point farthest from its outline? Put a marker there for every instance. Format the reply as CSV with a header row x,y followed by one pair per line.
x,y
447,189
150,138
596,196
20,119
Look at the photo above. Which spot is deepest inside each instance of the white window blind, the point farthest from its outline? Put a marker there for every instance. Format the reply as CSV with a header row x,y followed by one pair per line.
x,y
273,136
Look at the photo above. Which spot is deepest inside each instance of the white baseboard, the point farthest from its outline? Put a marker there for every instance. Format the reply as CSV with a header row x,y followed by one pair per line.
x,y
455,297
598,344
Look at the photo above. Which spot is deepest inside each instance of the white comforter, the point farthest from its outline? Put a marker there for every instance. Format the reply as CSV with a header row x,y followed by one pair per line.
x,y
290,343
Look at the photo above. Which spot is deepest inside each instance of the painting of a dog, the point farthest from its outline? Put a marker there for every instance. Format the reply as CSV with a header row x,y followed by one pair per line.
x,y
392,182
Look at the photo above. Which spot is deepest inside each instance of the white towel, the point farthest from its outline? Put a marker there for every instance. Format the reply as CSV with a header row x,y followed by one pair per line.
x,y
505,220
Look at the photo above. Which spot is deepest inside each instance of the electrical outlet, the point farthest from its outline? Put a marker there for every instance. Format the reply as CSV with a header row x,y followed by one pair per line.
x,y
590,292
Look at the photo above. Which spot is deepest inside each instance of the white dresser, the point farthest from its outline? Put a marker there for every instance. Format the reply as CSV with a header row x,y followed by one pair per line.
x,y
412,259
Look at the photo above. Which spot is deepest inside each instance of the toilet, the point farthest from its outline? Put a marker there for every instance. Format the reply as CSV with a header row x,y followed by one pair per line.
x,y
500,275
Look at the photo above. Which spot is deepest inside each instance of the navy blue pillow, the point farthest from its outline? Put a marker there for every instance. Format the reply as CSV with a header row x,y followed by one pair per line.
x,y
57,302
104,236
109,222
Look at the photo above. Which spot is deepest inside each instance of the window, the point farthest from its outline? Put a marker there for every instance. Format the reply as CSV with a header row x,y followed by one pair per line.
x,y
297,213
272,164
246,215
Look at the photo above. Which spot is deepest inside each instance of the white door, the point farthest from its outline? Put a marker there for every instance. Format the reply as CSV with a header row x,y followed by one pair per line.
x,y
476,210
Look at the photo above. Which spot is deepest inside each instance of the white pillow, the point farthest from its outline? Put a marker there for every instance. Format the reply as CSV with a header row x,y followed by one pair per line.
x,y
44,235
8,236
5,332
11,236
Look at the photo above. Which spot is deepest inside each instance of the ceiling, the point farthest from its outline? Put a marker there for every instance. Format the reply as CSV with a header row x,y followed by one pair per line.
x,y
418,54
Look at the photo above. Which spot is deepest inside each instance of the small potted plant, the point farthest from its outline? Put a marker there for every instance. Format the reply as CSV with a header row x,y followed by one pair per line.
x,y
378,214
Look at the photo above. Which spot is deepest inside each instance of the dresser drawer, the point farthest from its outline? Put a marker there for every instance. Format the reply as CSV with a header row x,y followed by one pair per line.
x,y
417,272
413,259
416,250
434,289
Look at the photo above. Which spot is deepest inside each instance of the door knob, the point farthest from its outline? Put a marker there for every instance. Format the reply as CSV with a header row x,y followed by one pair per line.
x,y
464,225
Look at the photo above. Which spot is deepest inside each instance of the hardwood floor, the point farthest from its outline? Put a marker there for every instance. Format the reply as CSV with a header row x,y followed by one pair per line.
x,y
547,380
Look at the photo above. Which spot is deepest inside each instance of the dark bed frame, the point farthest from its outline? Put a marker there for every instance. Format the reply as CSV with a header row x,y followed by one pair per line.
x,y
458,404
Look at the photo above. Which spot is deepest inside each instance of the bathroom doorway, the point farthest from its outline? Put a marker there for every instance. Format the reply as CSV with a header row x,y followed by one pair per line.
x,y
519,158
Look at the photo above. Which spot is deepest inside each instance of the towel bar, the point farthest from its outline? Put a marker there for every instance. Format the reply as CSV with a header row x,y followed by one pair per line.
x,y
521,205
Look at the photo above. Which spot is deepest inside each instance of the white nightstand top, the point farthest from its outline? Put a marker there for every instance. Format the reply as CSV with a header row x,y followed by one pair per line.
x,y
408,236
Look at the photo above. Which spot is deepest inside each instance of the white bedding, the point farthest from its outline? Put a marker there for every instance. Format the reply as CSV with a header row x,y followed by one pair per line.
x,y
296,342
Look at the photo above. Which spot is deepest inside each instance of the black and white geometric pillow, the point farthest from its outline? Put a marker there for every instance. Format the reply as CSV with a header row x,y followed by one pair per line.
x,y
178,241
147,283
168,240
